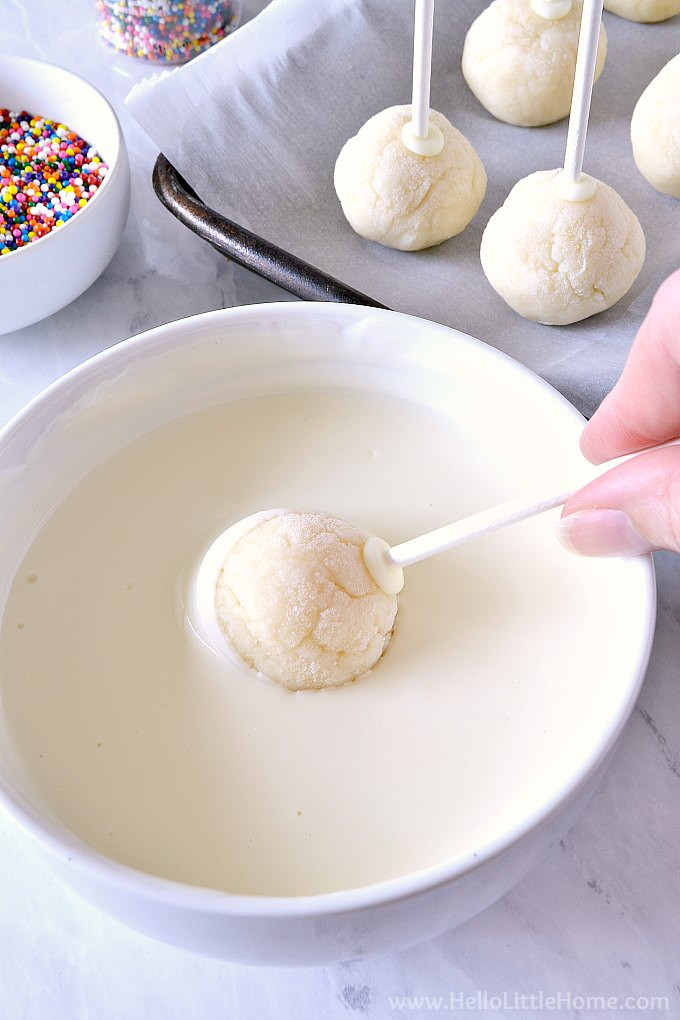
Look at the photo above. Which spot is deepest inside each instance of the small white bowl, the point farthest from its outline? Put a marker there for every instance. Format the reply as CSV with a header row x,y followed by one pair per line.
x,y
49,273
509,416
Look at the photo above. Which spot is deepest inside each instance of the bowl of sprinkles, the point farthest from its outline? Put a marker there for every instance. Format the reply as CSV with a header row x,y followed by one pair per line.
x,y
47,174
64,188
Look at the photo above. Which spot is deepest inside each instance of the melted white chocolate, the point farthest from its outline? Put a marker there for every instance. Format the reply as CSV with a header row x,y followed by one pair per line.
x,y
170,759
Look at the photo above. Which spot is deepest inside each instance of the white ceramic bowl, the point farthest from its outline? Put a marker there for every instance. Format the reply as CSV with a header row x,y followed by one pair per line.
x,y
49,273
510,417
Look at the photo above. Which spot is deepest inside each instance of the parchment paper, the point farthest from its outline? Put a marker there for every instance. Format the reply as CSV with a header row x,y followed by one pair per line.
x,y
256,123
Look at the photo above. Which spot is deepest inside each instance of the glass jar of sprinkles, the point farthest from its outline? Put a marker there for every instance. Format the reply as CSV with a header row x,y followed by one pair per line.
x,y
166,31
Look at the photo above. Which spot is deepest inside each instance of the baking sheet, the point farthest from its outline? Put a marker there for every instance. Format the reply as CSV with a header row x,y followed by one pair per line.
x,y
256,123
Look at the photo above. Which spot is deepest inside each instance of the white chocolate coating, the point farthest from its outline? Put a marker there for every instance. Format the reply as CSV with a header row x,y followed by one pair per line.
x,y
387,575
297,603
579,190
643,10
655,130
552,9
403,200
520,66
430,144
557,261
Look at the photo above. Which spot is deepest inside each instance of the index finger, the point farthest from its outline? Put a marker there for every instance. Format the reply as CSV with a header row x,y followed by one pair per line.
x,y
643,409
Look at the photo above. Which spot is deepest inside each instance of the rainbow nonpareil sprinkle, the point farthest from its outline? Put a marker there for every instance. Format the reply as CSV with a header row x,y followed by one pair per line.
x,y
47,173
166,31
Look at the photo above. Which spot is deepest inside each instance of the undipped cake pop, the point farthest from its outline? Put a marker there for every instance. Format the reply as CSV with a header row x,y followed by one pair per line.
x,y
310,601
392,195
295,600
409,179
643,10
655,130
564,245
520,63
555,260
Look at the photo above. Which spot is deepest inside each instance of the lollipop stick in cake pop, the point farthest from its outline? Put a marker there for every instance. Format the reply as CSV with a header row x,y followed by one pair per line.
x,y
385,564
519,59
564,246
310,600
419,134
572,184
409,179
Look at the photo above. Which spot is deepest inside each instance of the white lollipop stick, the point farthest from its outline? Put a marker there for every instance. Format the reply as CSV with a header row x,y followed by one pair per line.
x,y
422,66
386,564
418,134
572,184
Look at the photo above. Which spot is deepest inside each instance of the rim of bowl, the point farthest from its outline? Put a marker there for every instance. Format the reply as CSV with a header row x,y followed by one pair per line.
x,y
66,846
114,163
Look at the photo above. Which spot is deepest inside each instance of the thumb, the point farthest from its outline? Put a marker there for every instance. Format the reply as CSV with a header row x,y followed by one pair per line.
x,y
630,510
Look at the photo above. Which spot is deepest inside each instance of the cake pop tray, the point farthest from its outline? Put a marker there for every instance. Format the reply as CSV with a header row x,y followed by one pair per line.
x,y
246,248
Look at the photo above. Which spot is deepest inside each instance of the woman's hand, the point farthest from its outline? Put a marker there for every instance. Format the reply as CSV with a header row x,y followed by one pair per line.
x,y
635,507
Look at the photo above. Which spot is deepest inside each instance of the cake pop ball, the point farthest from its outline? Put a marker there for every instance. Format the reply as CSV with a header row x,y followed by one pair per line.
x,y
403,200
520,65
297,603
643,10
556,260
655,130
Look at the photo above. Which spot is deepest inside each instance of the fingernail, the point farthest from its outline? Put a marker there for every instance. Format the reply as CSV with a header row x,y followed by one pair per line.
x,y
601,533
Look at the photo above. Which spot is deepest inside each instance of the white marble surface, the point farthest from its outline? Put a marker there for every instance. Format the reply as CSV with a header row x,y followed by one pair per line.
x,y
600,917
